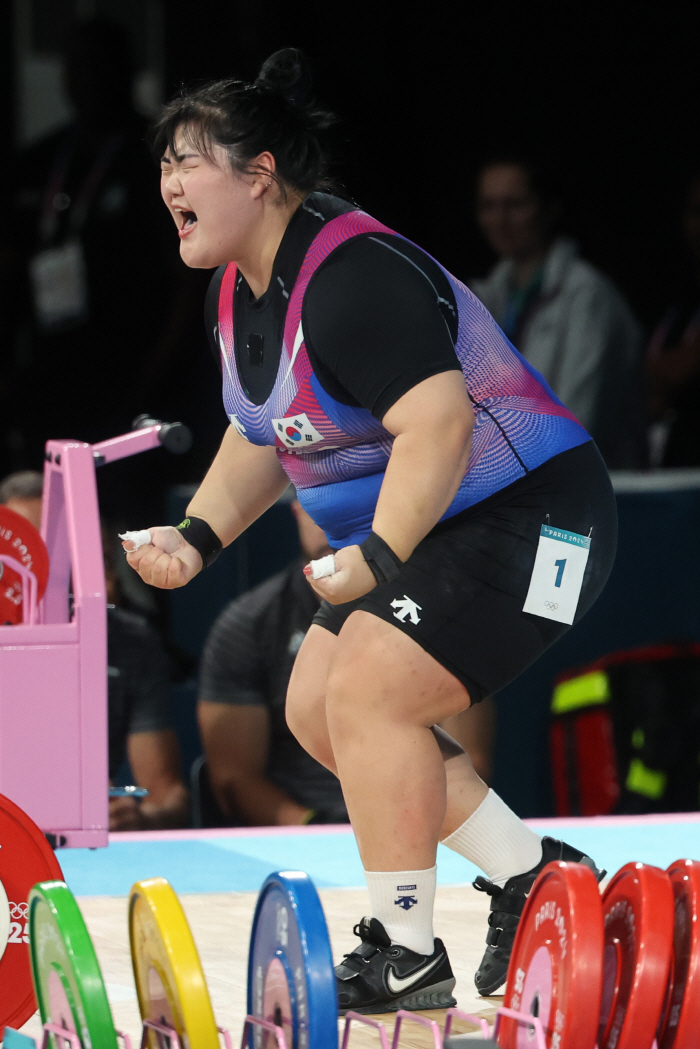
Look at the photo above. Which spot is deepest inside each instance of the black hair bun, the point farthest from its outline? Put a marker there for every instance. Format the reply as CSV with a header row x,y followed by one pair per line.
x,y
287,73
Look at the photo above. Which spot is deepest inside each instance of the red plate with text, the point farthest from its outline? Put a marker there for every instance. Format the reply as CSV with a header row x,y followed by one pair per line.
x,y
681,1020
556,969
25,859
638,920
19,540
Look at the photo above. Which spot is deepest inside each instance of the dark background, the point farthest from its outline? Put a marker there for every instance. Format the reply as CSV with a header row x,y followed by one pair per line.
x,y
607,94
612,100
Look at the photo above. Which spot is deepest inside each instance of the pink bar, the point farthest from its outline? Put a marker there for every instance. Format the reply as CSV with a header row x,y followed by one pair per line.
x,y
39,634
377,1024
69,1037
124,1037
344,828
163,1032
228,832
457,1014
28,588
402,1015
614,821
128,444
257,1021
226,1037
522,1018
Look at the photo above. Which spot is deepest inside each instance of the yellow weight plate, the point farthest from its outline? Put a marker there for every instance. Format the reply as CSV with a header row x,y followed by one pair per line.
x,y
168,973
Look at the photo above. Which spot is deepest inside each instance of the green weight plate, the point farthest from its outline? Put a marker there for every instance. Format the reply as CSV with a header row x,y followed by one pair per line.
x,y
65,970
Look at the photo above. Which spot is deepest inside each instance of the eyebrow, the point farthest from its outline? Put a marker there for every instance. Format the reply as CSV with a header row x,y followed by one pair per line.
x,y
179,158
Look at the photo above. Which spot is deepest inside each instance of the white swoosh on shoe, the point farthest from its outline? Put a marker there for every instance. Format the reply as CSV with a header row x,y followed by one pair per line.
x,y
396,984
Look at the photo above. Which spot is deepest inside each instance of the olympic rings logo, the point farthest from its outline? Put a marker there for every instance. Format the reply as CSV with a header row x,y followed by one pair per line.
x,y
19,910
551,605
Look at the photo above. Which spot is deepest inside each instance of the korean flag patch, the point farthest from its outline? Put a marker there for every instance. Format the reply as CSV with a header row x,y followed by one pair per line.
x,y
296,433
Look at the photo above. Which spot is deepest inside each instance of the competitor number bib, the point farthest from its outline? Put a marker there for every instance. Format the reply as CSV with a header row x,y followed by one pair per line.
x,y
557,576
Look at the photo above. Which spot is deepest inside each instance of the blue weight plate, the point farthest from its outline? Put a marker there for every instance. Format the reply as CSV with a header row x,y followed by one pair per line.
x,y
290,967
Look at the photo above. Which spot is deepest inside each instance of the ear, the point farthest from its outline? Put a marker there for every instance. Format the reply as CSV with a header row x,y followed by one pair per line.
x,y
262,170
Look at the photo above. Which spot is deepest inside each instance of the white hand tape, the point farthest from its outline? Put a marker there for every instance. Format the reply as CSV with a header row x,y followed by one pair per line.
x,y
139,539
325,566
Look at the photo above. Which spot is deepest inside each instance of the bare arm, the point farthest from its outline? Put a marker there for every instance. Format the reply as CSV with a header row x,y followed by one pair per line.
x,y
432,425
236,742
242,482
155,762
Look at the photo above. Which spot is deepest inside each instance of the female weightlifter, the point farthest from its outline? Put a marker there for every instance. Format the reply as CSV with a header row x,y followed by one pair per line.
x,y
471,514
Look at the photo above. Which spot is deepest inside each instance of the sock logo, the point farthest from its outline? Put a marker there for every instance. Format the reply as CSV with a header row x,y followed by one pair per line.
x,y
406,888
406,902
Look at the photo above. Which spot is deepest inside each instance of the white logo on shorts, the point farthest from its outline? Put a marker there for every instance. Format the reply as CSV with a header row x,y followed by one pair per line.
x,y
406,608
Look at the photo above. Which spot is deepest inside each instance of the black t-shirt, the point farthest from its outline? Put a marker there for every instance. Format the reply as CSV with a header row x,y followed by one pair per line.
x,y
248,660
138,681
379,315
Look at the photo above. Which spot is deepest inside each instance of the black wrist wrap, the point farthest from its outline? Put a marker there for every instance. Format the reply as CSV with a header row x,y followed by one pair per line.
x,y
202,537
382,560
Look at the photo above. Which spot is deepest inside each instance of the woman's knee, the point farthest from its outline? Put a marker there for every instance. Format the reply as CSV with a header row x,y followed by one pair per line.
x,y
302,712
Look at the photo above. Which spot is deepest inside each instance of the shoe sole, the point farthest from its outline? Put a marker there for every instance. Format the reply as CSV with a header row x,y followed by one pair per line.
x,y
494,988
439,996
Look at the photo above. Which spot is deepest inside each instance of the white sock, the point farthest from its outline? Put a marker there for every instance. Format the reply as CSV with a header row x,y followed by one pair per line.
x,y
403,902
496,840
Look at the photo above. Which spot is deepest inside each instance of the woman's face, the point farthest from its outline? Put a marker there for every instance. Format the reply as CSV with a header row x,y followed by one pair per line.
x,y
215,210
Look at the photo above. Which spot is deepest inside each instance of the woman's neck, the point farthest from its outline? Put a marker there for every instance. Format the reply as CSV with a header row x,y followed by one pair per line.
x,y
258,263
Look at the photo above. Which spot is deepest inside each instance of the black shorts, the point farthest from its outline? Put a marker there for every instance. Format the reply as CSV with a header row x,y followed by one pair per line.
x,y
467,581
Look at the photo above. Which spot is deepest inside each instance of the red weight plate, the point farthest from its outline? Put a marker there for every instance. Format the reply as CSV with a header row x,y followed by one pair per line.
x,y
556,969
638,918
25,859
681,1022
20,540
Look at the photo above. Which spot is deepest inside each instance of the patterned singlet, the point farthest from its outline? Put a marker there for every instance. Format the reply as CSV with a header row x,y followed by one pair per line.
x,y
336,454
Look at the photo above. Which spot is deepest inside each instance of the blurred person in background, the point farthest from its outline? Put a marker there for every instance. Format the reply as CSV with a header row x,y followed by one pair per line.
x,y
257,771
564,316
83,300
21,492
673,357
140,726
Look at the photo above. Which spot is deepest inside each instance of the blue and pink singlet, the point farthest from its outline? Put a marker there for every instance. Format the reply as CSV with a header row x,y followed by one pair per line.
x,y
336,455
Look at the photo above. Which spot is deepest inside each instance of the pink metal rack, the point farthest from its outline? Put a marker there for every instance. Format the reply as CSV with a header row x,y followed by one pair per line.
x,y
53,665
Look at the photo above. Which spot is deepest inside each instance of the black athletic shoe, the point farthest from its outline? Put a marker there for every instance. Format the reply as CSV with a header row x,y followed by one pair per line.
x,y
381,977
506,907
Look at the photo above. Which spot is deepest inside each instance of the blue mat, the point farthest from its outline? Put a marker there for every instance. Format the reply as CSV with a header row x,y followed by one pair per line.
x,y
240,864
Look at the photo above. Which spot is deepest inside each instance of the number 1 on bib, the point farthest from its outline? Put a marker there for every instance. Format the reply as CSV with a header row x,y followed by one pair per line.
x,y
557,575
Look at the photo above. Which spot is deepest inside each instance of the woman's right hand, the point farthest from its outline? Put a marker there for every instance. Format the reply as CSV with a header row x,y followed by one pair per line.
x,y
168,561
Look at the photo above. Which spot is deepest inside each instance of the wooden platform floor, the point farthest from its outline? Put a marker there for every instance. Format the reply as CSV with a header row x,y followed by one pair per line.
x,y
221,923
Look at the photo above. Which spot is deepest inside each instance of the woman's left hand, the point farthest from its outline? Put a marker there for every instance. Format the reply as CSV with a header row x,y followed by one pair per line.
x,y
353,577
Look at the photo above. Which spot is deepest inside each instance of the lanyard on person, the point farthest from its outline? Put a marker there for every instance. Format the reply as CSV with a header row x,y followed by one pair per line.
x,y
57,272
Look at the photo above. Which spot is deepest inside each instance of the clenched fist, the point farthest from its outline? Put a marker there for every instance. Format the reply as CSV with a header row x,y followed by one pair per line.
x,y
168,561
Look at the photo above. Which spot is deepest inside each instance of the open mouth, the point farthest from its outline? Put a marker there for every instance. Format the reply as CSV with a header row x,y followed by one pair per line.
x,y
187,221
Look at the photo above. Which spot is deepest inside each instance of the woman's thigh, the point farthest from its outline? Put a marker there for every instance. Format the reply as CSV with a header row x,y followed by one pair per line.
x,y
379,673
